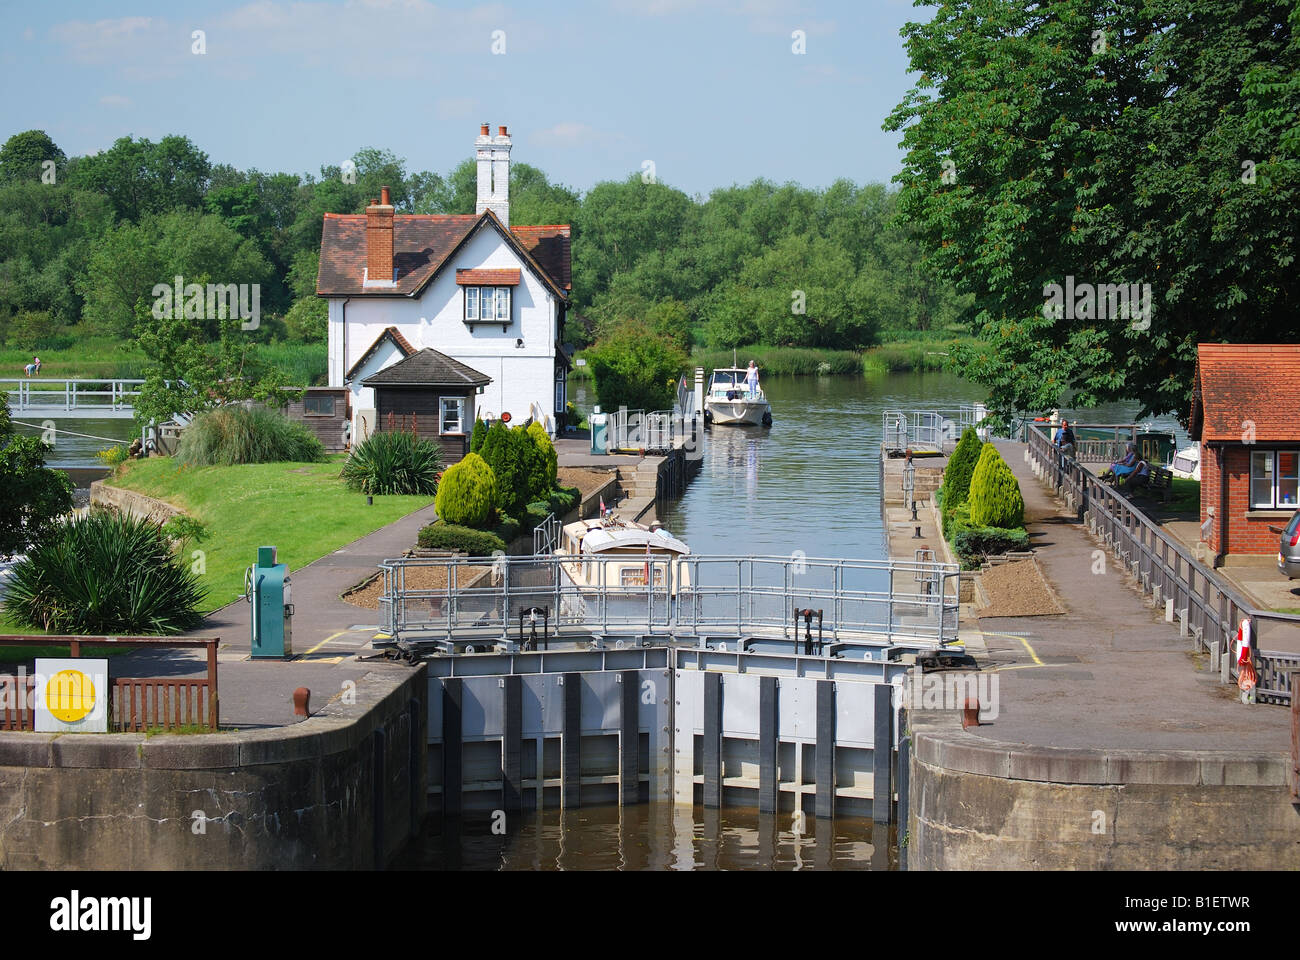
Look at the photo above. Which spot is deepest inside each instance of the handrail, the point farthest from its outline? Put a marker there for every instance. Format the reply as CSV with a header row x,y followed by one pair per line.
x,y
1210,612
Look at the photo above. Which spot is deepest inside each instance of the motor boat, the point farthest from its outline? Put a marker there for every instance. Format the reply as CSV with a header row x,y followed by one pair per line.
x,y
1187,463
609,552
728,400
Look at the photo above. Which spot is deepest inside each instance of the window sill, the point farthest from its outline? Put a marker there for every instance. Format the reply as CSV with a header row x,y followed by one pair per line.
x,y
1271,513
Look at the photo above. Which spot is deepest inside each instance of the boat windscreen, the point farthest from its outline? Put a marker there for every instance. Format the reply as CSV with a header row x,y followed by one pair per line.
x,y
724,378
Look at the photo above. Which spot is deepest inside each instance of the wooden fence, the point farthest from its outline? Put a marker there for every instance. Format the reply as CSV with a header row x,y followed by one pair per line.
x,y
136,703
1207,607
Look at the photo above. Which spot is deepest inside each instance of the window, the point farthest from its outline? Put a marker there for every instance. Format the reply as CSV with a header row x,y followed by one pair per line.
x,y
318,406
487,304
453,414
1274,478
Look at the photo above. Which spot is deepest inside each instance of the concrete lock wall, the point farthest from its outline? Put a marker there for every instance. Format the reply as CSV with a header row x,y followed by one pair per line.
x,y
979,804
343,789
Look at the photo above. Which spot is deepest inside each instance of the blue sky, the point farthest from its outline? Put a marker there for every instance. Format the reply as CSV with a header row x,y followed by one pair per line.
x,y
710,91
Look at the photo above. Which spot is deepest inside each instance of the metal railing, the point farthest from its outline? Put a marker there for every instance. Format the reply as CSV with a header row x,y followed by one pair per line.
x,y
1206,605
687,596
546,535
929,429
40,395
661,430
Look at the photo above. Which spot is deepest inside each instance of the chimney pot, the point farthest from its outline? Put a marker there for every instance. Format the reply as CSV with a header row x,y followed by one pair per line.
x,y
501,130
483,130
385,197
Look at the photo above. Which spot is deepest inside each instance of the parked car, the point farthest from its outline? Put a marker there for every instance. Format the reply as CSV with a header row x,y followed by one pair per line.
x,y
1288,549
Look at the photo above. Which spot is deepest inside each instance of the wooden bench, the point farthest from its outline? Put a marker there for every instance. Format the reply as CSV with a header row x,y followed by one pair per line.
x,y
1158,479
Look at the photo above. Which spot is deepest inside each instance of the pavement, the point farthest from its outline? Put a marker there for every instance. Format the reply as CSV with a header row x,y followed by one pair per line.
x,y
1109,673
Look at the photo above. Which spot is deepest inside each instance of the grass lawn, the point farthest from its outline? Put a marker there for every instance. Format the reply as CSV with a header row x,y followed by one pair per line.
x,y
1185,495
303,509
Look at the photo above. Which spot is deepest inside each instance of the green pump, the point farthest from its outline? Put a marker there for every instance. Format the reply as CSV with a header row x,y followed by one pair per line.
x,y
266,588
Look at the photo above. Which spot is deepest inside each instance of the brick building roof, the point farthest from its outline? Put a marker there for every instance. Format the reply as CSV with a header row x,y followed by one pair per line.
x,y
1240,384
422,246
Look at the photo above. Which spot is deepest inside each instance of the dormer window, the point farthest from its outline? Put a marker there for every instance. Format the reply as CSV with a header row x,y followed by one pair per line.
x,y
487,305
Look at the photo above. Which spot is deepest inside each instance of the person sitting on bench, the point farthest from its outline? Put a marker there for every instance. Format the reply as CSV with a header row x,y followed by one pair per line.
x,y
1140,475
1122,468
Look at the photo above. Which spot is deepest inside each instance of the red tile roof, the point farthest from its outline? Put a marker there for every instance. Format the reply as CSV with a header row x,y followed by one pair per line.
x,y
1243,384
487,278
422,246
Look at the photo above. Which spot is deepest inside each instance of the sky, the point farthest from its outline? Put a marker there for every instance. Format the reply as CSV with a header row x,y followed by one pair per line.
x,y
711,92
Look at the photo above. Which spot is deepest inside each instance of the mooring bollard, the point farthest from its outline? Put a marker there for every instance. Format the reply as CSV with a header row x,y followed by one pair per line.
x,y
301,697
970,715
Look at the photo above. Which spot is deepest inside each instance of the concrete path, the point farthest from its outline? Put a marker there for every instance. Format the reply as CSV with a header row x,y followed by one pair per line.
x,y
327,634
1110,673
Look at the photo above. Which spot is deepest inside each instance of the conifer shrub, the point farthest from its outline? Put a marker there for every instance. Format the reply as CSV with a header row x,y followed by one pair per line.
x,y
532,464
995,499
467,493
957,475
477,436
543,480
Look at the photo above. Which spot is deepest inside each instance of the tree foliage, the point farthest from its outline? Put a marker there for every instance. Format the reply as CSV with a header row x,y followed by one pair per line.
x,y
635,367
957,475
32,496
501,453
545,468
1135,142
467,493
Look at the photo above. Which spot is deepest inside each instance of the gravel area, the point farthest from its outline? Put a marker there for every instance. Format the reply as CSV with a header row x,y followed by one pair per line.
x,y
1018,589
417,578
584,479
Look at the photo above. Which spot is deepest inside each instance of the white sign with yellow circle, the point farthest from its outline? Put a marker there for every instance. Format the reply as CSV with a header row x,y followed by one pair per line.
x,y
71,696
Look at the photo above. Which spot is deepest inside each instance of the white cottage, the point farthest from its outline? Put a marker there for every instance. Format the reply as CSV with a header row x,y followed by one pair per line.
x,y
490,297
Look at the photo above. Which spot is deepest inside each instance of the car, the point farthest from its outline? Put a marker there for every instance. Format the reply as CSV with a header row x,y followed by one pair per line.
x,y
1288,550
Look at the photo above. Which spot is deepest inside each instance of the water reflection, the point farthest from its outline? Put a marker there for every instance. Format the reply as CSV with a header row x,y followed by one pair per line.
x,y
652,837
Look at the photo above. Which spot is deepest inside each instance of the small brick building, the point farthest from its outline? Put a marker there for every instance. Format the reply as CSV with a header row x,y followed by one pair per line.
x,y
1246,414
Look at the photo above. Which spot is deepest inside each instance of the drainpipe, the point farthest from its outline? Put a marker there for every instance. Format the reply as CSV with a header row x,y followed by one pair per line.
x,y
1222,455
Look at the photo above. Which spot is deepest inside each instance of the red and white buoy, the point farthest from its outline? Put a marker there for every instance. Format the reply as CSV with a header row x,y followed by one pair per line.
x,y
1246,676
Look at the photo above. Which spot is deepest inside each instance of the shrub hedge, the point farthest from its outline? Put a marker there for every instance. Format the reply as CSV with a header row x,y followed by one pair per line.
x,y
972,544
957,475
440,535
467,493
477,436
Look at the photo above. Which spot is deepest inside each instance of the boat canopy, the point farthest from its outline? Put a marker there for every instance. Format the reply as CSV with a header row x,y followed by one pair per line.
x,y
598,541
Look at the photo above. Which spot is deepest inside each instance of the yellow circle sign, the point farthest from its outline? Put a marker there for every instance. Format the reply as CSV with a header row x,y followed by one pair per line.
x,y
70,695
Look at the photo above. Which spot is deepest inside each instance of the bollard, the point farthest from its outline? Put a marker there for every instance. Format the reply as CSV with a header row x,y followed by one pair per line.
x,y
917,535
970,715
301,696
1169,610
1214,654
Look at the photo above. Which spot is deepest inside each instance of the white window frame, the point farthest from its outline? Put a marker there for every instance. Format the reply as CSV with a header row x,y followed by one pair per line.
x,y
1274,476
442,415
503,305
472,300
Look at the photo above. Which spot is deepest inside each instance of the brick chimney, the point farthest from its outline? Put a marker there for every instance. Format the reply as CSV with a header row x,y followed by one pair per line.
x,y
493,156
379,241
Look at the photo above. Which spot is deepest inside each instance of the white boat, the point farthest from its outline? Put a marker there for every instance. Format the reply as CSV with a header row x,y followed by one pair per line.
x,y
1187,463
729,400
610,552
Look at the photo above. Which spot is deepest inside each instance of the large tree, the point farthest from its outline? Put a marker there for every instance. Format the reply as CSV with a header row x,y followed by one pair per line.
x,y
1108,141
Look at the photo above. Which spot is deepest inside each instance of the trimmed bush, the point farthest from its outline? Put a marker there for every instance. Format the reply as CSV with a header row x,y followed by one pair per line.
x,y
507,529
501,453
105,573
956,476
973,544
393,462
467,493
563,499
452,536
995,499
544,479
233,435
477,436
532,464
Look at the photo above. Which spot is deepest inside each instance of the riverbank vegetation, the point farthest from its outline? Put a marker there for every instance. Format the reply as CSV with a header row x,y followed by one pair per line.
x,y
236,434
304,509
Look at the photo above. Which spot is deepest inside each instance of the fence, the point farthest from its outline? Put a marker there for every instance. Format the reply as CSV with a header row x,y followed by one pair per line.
x,y
930,429
86,397
136,703
546,535
1207,607
687,596
659,430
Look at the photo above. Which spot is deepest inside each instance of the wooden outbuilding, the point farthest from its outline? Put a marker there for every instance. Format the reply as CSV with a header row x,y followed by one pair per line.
x,y
433,395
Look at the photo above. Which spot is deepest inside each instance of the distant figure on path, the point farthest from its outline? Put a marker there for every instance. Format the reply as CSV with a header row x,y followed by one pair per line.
x,y
751,378
1065,438
32,368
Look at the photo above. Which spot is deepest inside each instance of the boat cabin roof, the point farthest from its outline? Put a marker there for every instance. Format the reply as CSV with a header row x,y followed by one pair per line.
x,y
598,536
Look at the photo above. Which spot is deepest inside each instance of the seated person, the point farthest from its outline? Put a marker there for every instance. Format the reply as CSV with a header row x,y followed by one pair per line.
x,y
1140,474
1122,468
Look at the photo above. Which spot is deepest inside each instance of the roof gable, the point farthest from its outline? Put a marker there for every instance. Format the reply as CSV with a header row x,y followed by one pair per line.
x,y
427,368
422,247
390,335
1240,386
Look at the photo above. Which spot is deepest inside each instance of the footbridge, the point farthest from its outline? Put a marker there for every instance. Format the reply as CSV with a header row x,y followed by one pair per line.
x,y
46,398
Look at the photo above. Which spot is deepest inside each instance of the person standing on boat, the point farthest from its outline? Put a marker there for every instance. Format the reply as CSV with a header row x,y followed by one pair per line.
x,y
751,379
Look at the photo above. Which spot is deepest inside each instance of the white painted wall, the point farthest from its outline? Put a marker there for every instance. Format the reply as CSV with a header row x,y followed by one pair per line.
x,y
521,376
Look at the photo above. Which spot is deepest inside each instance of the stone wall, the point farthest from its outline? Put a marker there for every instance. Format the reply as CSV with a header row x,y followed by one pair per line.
x,y
980,804
131,503
344,789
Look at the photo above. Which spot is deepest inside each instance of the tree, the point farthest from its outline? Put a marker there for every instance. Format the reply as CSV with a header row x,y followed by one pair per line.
x,y
957,475
477,436
186,374
1105,143
140,177
501,454
467,492
635,368
32,496
543,481
24,154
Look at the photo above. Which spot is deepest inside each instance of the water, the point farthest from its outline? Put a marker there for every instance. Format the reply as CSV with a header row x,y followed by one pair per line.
x,y
76,454
653,837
